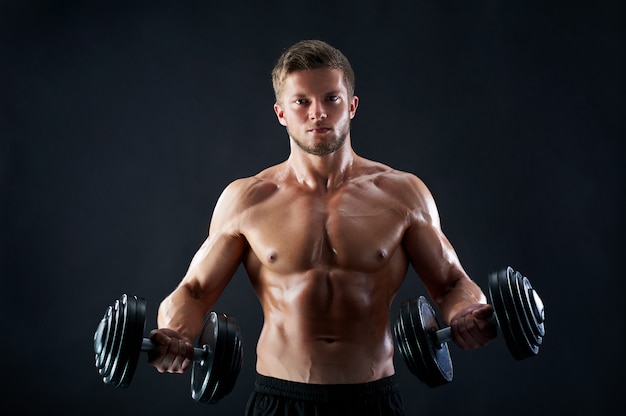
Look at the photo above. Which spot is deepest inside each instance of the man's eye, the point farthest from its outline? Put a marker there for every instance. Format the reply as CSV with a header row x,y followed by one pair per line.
x,y
300,101
333,98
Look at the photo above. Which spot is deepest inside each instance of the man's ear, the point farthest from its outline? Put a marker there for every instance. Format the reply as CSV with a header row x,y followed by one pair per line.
x,y
280,114
354,103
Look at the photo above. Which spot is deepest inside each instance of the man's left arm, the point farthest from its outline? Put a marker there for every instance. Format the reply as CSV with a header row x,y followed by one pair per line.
x,y
460,300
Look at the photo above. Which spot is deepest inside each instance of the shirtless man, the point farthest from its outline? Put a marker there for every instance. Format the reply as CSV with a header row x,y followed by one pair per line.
x,y
326,238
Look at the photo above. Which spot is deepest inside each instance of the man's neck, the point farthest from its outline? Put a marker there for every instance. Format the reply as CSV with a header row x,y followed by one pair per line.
x,y
322,172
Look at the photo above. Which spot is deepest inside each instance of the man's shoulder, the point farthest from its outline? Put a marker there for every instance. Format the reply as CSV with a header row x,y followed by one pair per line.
x,y
250,190
398,186
384,175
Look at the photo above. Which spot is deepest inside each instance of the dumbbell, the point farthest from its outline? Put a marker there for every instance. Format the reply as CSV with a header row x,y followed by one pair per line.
x,y
118,342
519,314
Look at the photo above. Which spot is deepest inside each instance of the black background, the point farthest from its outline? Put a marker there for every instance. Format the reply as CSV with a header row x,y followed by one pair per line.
x,y
122,122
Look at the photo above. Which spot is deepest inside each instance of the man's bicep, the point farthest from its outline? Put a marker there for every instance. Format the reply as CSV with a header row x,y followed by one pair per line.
x,y
223,248
432,256
214,264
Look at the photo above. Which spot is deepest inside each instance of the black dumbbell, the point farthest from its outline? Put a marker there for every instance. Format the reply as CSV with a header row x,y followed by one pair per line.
x,y
119,340
519,314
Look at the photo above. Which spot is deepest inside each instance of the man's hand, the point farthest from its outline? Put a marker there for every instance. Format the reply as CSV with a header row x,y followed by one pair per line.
x,y
173,352
472,328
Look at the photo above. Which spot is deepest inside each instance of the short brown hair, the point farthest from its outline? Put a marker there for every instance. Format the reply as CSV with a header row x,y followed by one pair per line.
x,y
311,54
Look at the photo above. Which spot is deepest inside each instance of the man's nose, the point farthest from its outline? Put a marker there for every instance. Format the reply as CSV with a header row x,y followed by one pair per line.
x,y
317,111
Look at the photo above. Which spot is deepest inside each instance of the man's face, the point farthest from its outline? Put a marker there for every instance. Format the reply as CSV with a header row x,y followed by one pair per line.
x,y
315,107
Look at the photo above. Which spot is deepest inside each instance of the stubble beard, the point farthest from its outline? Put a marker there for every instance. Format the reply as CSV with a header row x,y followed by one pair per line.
x,y
325,148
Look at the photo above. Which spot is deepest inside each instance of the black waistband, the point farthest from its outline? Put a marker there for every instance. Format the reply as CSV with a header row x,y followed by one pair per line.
x,y
323,392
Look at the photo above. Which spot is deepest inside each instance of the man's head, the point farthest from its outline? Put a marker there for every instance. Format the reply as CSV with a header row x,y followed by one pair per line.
x,y
311,54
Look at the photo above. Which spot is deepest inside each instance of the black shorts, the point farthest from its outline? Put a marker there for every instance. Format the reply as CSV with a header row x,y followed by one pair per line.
x,y
273,397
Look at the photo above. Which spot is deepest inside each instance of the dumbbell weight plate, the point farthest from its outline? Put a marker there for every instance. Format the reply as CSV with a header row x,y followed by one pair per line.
x,y
519,312
102,339
113,328
131,346
117,340
533,332
236,359
124,316
213,377
414,331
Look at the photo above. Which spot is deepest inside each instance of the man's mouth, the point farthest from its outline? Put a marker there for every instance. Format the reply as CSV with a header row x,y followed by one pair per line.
x,y
320,130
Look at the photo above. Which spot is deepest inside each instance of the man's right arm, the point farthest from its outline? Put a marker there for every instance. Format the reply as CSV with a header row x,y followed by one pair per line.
x,y
181,314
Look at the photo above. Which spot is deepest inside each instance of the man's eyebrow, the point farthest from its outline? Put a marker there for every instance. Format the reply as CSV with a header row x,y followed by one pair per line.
x,y
304,95
296,96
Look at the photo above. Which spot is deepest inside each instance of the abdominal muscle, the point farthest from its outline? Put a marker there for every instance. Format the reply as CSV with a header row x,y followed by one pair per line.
x,y
325,327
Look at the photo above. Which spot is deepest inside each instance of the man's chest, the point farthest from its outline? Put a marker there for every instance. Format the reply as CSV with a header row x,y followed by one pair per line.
x,y
350,230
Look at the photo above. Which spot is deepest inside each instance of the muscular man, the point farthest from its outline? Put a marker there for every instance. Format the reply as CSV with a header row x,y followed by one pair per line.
x,y
326,238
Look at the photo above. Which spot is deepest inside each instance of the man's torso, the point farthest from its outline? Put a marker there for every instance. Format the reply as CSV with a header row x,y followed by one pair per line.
x,y
326,265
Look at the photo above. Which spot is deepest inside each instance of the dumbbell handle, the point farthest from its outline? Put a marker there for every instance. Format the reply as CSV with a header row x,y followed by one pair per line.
x,y
444,335
199,354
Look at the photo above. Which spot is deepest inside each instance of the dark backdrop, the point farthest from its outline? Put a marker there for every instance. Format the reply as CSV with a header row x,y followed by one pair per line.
x,y
122,122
